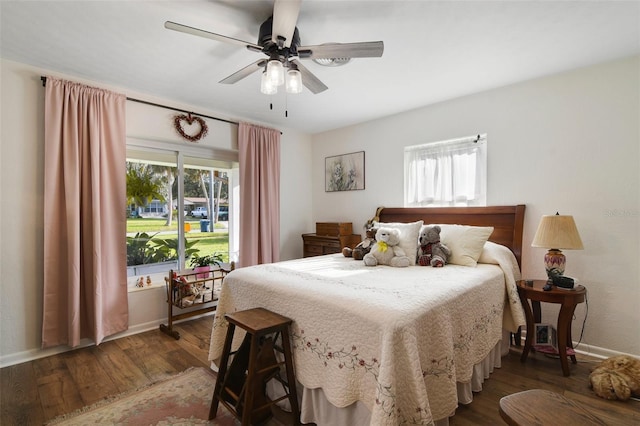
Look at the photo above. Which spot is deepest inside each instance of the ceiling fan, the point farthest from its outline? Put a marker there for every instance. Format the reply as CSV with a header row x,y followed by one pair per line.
x,y
279,40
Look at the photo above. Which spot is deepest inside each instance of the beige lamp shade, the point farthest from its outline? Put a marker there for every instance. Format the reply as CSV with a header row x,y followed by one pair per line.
x,y
557,232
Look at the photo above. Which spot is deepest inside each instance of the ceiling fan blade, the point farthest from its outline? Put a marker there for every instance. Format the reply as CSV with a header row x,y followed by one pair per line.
x,y
285,16
213,36
244,72
309,80
367,49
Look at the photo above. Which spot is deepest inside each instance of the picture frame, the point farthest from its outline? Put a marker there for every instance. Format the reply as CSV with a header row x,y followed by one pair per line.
x,y
545,335
344,172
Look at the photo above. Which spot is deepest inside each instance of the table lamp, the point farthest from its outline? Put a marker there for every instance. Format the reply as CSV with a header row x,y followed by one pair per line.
x,y
556,232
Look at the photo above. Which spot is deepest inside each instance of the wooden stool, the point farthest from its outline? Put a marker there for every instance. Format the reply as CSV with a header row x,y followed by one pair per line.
x,y
542,407
240,386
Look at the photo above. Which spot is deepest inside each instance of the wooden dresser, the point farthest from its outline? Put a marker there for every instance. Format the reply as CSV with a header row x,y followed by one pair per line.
x,y
316,245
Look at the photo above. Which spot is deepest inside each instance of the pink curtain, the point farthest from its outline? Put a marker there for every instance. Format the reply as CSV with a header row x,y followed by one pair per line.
x,y
259,195
85,279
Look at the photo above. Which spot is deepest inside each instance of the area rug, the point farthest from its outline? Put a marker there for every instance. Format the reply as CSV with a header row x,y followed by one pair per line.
x,y
183,399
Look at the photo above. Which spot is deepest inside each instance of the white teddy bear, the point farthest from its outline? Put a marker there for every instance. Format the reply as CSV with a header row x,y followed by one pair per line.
x,y
386,250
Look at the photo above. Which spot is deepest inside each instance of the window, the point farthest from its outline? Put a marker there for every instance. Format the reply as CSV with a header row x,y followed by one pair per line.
x,y
162,181
447,173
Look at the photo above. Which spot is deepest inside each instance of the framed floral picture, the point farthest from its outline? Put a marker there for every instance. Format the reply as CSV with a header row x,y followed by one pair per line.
x,y
344,172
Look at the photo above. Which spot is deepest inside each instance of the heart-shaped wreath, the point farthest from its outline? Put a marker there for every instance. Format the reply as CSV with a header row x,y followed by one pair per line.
x,y
177,123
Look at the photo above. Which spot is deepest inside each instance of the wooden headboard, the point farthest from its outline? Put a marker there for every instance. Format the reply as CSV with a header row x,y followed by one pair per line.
x,y
507,221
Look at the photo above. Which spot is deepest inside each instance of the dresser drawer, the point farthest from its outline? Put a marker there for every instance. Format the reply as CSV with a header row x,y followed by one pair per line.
x,y
313,250
316,245
331,249
332,244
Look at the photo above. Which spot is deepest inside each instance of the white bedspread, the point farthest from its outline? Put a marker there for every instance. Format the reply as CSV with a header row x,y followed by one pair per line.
x,y
397,339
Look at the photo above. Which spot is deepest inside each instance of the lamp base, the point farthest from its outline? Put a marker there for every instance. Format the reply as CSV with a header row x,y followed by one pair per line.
x,y
554,262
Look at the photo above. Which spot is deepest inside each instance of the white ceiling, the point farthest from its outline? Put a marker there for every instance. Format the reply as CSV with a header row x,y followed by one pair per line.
x,y
434,50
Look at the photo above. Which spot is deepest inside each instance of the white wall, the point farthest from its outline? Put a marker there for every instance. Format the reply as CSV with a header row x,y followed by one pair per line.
x,y
21,192
568,143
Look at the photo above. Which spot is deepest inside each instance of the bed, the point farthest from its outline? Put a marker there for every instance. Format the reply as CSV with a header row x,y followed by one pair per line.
x,y
389,346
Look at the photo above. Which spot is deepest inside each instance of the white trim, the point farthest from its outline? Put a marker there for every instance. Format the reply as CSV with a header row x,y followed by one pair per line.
x,y
197,151
134,289
457,141
589,350
30,355
598,352
33,354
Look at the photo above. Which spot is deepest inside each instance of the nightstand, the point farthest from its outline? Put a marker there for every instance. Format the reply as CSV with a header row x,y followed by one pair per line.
x,y
531,295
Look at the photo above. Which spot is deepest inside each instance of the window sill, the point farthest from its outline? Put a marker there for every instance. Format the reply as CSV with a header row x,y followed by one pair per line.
x,y
157,280
146,287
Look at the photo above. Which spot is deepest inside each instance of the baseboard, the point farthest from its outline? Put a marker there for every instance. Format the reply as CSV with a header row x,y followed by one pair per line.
x,y
598,352
591,350
32,354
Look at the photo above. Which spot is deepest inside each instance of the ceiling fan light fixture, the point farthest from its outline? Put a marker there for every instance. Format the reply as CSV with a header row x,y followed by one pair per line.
x,y
332,62
279,40
294,81
266,86
275,72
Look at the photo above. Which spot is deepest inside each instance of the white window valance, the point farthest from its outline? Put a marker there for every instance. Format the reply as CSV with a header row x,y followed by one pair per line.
x,y
447,173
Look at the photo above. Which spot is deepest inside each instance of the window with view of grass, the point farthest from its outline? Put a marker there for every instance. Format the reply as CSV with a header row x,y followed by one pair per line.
x,y
165,187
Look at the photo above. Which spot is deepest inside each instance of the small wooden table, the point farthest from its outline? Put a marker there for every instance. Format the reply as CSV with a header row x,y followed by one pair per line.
x,y
542,407
569,299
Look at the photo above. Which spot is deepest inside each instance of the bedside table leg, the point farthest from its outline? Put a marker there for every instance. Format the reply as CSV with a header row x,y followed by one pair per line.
x,y
530,328
564,335
569,338
537,311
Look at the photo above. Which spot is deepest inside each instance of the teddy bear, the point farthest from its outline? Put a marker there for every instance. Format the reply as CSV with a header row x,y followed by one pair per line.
x,y
617,377
430,250
363,246
386,250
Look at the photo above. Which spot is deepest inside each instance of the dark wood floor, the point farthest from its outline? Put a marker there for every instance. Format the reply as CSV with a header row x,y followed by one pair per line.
x,y
35,392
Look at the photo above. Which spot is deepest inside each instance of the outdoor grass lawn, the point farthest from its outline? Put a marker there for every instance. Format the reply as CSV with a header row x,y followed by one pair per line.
x,y
150,225
207,242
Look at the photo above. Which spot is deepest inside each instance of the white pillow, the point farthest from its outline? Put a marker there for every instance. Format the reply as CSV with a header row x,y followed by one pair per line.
x,y
466,242
409,233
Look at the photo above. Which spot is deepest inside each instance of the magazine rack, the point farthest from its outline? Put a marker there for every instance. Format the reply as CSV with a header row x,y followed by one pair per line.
x,y
186,290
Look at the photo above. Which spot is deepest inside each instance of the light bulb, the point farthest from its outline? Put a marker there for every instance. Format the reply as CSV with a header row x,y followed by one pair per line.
x,y
275,72
266,86
294,81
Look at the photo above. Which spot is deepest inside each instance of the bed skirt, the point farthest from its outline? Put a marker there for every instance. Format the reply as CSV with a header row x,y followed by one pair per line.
x,y
315,408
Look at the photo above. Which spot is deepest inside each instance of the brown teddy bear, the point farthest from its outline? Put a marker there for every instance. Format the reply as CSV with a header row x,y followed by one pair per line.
x,y
430,250
363,246
616,378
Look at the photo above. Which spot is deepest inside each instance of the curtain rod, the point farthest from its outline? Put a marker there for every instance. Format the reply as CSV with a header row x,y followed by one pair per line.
x,y
44,83
181,110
